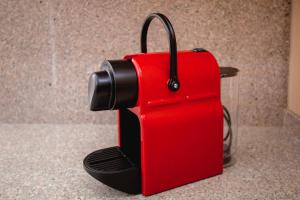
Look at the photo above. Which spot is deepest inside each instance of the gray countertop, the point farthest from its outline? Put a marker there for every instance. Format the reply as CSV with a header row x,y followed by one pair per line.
x,y
45,162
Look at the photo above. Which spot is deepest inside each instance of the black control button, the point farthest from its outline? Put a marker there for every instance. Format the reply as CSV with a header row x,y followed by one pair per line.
x,y
199,50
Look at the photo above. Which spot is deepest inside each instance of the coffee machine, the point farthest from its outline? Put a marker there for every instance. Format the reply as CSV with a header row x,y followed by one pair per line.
x,y
170,117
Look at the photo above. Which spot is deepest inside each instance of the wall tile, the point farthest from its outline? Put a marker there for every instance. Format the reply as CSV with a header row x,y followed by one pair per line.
x,y
54,46
25,67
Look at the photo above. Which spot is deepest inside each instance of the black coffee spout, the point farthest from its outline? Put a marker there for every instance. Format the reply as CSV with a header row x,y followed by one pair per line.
x,y
115,87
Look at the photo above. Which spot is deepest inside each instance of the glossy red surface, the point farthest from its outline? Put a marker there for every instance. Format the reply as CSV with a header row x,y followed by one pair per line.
x,y
181,132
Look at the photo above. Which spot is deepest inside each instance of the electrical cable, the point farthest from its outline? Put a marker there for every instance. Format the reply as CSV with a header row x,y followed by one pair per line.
x,y
228,136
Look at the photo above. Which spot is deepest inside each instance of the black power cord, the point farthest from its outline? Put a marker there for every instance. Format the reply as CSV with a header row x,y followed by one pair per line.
x,y
228,137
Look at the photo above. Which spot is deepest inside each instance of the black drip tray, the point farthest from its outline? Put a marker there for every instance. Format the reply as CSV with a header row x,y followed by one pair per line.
x,y
113,168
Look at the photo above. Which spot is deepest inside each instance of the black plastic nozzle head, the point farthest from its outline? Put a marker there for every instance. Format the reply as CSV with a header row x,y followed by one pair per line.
x,y
99,93
116,86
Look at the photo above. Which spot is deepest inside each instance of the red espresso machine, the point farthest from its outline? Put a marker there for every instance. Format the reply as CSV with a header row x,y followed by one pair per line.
x,y
170,117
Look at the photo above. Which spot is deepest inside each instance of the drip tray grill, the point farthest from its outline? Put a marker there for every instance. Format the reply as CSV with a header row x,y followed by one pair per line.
x,y
113,168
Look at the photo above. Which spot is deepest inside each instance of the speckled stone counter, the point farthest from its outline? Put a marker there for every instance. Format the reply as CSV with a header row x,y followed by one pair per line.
x,y
45,162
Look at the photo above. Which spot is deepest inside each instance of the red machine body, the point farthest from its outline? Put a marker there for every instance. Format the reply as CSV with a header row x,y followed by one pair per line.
x,y
181,132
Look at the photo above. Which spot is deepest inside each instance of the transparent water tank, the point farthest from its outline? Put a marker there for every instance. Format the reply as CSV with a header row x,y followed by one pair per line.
x,y
230,102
